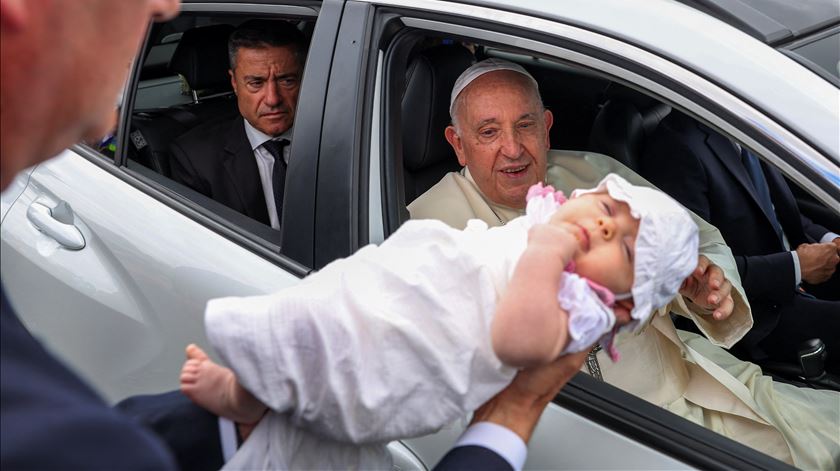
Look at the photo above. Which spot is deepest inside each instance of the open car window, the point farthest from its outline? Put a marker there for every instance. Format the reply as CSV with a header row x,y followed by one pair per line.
x,y
182,85
606,110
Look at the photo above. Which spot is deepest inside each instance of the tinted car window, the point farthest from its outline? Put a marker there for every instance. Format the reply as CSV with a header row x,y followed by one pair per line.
x,y
823,53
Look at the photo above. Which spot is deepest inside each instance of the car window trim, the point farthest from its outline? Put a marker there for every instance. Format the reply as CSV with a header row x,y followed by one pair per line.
x,y
341,214
253,8
683,440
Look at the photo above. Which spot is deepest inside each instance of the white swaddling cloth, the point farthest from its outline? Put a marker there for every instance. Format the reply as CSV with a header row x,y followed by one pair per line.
x,y
392,342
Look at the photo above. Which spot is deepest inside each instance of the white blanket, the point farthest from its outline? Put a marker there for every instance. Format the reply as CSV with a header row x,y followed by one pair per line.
x,y
392,342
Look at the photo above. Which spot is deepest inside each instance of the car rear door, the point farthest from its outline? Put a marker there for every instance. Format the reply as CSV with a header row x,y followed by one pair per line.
x,y
112,268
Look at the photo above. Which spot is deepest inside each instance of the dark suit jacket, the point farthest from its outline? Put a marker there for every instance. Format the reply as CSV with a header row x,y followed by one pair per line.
x,y
192,433
472,457
216,160
52,420
703,171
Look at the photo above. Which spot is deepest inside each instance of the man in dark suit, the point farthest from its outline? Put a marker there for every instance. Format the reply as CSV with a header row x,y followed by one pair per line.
x,y
49,418
241,163
776,248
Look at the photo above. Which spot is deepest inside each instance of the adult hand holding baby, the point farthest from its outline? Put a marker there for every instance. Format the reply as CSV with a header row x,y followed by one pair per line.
x,y
519,406
708,288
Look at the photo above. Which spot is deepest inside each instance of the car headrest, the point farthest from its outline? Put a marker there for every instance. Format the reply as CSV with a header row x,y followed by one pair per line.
x,y
622,127
425,104
201,57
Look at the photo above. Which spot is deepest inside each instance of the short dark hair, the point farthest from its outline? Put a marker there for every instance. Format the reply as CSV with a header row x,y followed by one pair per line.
x,y
257,34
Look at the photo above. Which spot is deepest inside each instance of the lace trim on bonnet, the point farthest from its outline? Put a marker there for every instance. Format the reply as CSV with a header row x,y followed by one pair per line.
x,y
666,247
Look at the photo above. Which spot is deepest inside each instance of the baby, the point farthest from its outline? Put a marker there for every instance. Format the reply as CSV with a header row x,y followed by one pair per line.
x,y
400,339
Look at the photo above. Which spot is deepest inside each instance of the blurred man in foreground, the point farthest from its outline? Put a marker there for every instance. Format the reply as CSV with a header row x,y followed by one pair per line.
x,y
63,63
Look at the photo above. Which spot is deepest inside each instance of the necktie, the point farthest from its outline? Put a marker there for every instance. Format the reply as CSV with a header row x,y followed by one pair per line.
x,y
762,191
278,175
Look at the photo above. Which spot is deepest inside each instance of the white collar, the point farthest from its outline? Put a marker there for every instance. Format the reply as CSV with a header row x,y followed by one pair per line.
x,y
256,137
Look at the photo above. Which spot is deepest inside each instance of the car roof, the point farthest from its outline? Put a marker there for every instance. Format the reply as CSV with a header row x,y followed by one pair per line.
x,y
774,22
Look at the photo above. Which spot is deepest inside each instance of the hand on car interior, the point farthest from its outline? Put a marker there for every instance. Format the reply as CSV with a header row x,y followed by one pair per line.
x,y
519,406
817,262
708,288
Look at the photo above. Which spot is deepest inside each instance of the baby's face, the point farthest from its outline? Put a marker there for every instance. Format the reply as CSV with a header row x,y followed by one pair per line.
x,y
606,233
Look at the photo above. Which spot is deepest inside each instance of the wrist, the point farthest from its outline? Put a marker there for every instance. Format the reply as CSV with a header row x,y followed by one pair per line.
x,y
519,414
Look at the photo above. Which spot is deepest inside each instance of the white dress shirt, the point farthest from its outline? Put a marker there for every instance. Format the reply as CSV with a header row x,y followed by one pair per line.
x,y
265,165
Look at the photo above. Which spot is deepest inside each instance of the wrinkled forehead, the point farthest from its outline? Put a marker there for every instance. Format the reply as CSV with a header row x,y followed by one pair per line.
x,y
263,56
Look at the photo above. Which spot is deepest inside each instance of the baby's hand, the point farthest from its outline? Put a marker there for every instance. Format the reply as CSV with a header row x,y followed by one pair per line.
x,y
557,238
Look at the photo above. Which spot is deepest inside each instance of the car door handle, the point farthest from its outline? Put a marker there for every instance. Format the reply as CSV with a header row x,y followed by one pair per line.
x,y
57,223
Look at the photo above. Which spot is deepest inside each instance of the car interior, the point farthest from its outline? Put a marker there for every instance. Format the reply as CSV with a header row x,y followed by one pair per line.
x,y
592,114
184,83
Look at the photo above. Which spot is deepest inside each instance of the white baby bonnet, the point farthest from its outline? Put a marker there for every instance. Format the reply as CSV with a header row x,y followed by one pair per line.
x,y
666,246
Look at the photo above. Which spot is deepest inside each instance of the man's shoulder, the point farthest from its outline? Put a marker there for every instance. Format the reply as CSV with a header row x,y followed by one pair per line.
x,y
209,133
446,201
430,201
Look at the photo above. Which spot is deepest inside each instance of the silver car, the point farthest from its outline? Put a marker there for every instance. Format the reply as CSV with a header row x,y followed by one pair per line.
x,y
130,257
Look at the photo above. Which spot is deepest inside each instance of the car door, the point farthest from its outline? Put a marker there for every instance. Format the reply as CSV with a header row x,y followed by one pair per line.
x,y
110,264
600,416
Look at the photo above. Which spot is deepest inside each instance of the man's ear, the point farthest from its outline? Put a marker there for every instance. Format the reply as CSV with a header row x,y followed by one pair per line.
x,y
549,120
454,140
13,14
232,81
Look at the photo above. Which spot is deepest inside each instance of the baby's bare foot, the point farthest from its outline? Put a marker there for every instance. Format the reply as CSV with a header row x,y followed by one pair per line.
x,y
216,389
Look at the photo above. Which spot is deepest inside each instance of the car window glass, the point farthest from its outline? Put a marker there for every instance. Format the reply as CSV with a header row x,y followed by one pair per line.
x,y
823,53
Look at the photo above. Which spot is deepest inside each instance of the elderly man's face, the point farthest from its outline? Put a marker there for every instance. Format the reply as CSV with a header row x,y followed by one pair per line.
x,y
502,136
267,82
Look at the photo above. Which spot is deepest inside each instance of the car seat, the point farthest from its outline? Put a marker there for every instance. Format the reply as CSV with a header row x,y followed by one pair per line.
x,y
430,76
201,59
626,120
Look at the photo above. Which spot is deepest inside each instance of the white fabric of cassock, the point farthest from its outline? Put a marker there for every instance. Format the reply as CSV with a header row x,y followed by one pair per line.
x,y
392,342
